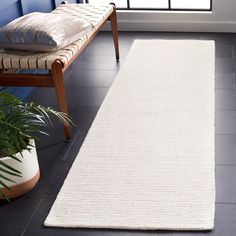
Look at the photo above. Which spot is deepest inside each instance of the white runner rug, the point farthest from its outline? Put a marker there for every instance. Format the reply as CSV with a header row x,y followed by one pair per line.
x,y
148,159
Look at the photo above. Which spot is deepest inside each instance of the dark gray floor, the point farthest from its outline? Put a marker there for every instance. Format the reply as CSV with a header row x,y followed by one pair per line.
x,y
87,83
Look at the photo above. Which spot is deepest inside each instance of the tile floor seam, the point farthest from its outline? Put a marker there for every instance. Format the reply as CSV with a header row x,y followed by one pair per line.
x,y
32,216
233,165
231,134
71,145
225,203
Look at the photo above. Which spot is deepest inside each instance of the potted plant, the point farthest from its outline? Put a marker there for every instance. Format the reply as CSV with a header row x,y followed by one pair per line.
x,y
20,124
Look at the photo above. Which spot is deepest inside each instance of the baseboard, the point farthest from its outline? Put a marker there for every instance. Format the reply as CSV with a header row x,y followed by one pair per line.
x,y
225,27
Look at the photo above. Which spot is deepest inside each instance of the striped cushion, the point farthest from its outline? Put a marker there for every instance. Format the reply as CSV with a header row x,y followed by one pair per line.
x,y
16,59
43,32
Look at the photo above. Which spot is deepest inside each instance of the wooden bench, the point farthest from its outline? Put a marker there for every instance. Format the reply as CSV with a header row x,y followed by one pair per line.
x,y
57,62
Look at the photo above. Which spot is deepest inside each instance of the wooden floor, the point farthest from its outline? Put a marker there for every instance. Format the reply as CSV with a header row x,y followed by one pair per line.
x,y
87,82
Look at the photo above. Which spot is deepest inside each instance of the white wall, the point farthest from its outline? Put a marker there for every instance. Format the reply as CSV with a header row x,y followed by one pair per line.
x,y
222,19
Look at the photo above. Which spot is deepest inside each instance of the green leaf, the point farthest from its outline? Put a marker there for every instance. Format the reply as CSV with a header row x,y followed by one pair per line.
x,y
19,122
10,172
4,196
4,185
9,167
4,177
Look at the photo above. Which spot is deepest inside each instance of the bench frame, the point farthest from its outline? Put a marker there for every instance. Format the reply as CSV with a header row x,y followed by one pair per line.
x,y
54,78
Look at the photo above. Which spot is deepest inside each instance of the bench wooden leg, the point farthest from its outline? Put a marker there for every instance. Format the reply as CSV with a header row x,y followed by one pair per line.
x,y
57,76
113,20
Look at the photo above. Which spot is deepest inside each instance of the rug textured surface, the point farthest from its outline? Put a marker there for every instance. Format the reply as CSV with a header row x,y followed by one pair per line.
x,y
148,159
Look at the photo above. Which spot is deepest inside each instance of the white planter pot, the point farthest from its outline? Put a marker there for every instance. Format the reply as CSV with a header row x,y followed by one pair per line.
x,y
29,169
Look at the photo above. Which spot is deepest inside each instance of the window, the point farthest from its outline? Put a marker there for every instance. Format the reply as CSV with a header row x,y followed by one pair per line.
x,y
148,4
119,3
173,5
191,4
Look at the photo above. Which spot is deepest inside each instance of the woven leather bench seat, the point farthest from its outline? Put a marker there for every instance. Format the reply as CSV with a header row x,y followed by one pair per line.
x,y
16,59
56,62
